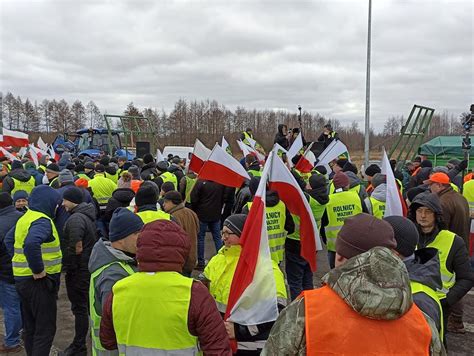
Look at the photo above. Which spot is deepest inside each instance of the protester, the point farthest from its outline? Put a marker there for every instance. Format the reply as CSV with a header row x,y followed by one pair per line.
x,y
188,220
342,204
423,268
89,169
52,173
242,197
219,274
370,171
179,313
20,200
18,179
111,261
252,166
148,171
365,306
176,169
376,202
30,167
207,201
457,277
186,186
121,198
34,245
79,239
111,172
328,135
282,136
146,200
9,299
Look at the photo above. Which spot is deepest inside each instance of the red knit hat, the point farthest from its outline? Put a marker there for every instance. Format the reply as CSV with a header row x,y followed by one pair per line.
x,y
81,183
340,180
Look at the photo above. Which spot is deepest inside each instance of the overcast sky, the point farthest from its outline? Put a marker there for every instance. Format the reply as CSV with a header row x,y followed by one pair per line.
x,y
256,54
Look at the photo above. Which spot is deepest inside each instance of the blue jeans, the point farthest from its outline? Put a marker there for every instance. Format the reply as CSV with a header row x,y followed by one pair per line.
x,y
215,228
10,303
298,274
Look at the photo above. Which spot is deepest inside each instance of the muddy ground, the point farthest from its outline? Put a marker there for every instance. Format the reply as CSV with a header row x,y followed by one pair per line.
x,y
457,344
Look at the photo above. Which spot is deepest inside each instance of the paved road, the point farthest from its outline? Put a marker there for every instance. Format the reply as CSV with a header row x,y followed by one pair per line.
x,y
457,344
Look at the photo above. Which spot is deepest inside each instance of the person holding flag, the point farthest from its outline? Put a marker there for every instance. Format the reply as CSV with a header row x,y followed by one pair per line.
x,y
219,274
376,202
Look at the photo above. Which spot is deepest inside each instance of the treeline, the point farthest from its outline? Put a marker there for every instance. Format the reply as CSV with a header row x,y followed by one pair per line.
x,y
207,120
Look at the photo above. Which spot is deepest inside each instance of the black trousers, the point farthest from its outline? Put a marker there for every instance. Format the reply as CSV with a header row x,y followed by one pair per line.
x,y
77,286
39,309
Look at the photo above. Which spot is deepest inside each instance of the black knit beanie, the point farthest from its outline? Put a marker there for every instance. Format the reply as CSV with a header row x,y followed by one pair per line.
x,y
371,170
148,158
74,195
236,223
5,200
406,234
146,195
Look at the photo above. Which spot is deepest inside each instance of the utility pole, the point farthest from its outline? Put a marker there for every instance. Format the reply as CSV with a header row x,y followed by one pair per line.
x,y
367,90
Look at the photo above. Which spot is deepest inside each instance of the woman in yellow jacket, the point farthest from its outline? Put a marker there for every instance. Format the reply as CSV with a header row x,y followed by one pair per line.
x,y
219,273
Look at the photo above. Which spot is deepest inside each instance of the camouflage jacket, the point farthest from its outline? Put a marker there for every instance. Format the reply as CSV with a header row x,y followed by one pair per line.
x,y
367,274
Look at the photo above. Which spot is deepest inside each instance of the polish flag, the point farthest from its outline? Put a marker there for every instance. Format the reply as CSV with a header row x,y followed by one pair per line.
x,y
199,156
33,151
13,138
52,153
306,162
244,148
332,152
222,168
295,147
394,205
247,150
282,181
42,145
224,143
253,296
7,154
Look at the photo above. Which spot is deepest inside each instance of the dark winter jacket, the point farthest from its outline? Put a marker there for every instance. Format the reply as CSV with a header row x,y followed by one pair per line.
x,y
456,214
355,181
207,200
281,139
8,219
45,200
418,179
177,171
19,174
37,175
255,166
79,227
62,215
149,171
423,267
64,160
167,251
242,198
458,257
103,254
121,198
327,139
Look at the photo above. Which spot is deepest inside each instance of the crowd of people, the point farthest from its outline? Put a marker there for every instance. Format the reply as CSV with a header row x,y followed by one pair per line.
x,y
129,235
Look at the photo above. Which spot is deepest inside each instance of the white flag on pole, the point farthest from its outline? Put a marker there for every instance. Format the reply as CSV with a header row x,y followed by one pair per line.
x,y
393,205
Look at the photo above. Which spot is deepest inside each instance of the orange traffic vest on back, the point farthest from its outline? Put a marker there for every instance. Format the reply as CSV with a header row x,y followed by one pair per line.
x,y
415,172
135,185
334,328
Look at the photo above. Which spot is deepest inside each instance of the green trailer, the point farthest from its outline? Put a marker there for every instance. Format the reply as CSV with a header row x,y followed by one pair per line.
x,y
443,148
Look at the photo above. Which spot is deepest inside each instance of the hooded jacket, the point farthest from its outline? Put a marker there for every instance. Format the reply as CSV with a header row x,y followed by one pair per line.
x,y
45,200
188,220
418,179
8,218
458,257
177,171
64,160
162,247
37,175
281,139
102,254
148,171
374,284
379,193
354,180
242,197
423,267
19,174
121,198
79,227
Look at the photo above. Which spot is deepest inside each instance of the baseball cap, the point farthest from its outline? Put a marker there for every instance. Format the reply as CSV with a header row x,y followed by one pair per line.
x,y
439,177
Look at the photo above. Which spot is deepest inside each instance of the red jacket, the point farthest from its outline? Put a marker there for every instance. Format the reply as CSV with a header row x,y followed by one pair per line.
x,y
164,246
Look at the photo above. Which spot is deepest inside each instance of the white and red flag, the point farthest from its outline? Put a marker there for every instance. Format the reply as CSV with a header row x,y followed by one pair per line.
x,y
306,162
253,296
394,204
34,154
247,150
10,156
222,168
53,154
295,148
42,145
13,138
282,181
159,156
335,149
199,156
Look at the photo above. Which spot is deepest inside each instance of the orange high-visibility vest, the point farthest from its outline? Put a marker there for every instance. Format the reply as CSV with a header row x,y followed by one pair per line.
x,y
369,189
415,172
334,328
468,177
135,185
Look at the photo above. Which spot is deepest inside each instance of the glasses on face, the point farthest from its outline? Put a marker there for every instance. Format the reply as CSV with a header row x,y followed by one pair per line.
x,y
226,233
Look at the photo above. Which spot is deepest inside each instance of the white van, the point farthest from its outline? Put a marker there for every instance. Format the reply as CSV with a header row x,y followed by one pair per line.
x,y
180,151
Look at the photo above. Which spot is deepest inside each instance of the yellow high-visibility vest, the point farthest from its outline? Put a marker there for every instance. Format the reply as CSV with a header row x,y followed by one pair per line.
x,y
417,287
20,185
148,216
50,251
150,314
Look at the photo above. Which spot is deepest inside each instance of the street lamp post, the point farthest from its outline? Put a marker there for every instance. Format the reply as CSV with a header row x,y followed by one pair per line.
x,y
367,90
